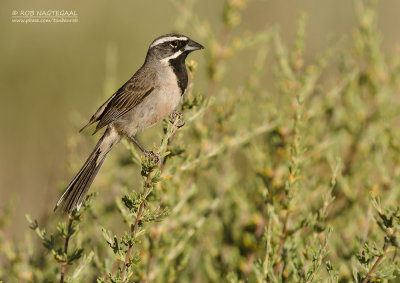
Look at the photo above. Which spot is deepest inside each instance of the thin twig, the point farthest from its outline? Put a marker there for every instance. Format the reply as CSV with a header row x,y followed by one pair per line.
x,y
282,239
136,226
331,279
379,259
366,228
64,262
266,260
115,267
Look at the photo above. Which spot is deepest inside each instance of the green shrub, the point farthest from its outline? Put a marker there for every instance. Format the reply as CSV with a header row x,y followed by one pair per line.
x,y
292,182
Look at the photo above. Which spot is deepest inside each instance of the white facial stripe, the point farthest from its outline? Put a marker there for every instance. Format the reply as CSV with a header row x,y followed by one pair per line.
x,y
169,38
175,55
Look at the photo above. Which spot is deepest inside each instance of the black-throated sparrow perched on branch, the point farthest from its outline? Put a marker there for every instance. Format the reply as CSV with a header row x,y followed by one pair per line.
x,y
152,94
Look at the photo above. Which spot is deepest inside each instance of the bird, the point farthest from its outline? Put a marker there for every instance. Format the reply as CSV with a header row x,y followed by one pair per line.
x,y
148,97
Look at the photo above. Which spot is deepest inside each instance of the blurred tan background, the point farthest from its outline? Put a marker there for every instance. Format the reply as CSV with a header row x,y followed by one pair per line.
x,y
53,75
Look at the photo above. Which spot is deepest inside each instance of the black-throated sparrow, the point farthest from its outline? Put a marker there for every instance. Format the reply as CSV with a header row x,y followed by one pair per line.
x,y
152,94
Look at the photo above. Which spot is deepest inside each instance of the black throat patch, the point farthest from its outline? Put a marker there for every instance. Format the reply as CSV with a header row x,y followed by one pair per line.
x,y
179,67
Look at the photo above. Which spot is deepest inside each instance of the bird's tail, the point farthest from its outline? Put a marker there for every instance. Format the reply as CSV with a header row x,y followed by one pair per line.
x,y
79,186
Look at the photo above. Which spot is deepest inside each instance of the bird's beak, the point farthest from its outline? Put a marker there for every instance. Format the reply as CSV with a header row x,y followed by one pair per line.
x,y
193,45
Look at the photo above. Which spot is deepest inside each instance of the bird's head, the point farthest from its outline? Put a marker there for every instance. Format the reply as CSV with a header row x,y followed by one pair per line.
x,y
170,47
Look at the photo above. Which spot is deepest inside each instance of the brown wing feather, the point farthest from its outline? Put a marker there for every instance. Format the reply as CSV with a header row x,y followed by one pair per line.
x,y
96,116
125,99
122,104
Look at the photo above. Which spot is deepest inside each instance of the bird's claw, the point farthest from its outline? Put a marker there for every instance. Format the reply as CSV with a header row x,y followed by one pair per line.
x,y
155,156
172,118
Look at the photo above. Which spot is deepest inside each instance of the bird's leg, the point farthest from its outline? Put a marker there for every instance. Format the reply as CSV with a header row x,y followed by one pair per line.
x,y
154,155
173,116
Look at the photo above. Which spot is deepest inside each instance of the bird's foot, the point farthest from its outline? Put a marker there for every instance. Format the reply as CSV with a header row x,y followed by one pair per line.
x,y
174,115
155,156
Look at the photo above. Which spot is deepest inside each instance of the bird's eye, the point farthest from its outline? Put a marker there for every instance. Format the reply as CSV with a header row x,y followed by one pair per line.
x,y
174,44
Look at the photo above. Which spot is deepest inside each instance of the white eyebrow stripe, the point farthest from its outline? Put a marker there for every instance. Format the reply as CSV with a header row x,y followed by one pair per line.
x,y
175,55
165,39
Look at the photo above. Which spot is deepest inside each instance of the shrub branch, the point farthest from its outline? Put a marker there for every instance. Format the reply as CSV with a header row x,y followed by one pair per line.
x,y
64,262
380,258
136,226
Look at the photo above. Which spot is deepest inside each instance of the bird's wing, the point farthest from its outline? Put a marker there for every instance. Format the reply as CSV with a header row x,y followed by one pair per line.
x,y
125,99
96,116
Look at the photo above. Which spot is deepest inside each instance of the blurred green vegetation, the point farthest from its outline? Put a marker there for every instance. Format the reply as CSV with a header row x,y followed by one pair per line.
x,y
287,169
